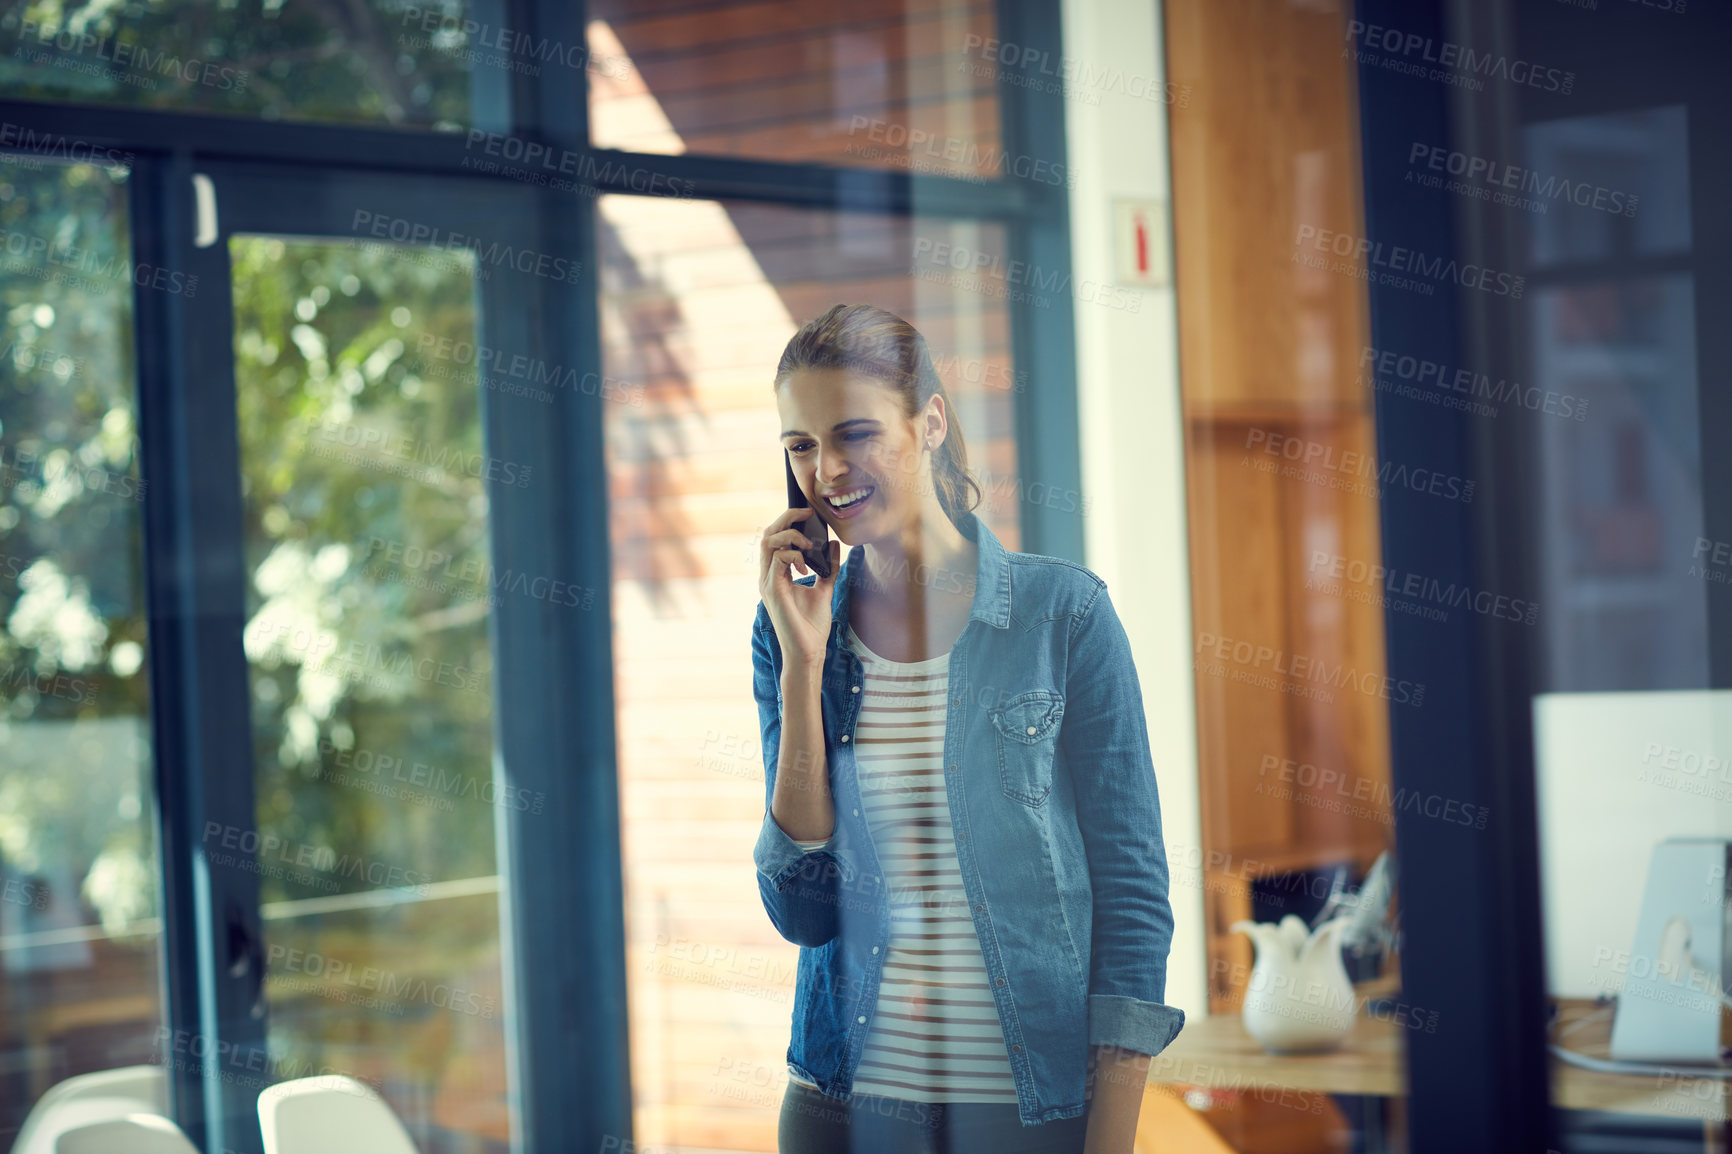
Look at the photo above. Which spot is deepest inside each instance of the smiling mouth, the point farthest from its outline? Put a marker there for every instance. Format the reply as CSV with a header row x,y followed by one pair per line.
x,y
853,499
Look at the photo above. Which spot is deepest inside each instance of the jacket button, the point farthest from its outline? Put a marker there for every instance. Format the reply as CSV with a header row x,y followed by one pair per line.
x,y
874,949
862,1021
956,701
844,737
1016,1049
1001,981
856,813
961,837
980,909
856,689
1031,730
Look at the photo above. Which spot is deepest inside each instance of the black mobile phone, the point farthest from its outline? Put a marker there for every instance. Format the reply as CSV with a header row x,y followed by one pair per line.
x,y
814,527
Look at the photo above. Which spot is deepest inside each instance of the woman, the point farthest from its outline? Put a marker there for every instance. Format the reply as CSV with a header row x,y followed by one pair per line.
x,y
962,829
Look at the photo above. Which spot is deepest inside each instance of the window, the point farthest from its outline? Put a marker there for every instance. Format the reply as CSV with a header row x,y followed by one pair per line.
x,y
80,925
698,300
883,85
375,62
366,534
325,524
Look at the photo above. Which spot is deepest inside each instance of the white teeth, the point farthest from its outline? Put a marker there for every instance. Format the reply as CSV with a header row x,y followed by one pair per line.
x,y
855,497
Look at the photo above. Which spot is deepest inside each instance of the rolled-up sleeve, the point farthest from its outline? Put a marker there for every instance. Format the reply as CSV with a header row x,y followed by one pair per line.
x,y
1105,739
799,886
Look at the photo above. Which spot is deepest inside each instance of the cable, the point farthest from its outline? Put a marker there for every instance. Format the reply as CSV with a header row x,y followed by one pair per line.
x,y
1604,1066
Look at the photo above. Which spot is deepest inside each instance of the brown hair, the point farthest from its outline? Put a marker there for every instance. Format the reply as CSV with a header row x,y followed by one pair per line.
x,y
877,343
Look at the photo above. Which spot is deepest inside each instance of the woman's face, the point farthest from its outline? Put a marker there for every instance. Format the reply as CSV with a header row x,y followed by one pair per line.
x,y
846,435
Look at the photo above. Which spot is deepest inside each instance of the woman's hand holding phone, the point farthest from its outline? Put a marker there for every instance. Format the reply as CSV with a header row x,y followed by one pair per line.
x,y
800,613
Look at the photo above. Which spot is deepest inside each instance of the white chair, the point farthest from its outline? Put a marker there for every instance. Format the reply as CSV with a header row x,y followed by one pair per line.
x,y
105,1093
131,1134
329,1114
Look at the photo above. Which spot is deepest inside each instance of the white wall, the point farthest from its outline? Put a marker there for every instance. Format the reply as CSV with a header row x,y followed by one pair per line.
x,y
1132,432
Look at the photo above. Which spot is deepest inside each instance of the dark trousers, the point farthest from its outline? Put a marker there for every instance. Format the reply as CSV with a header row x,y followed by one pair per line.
x,y
815,1123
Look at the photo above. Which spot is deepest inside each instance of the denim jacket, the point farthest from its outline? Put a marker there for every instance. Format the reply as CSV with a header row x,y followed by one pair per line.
x,y
1056,823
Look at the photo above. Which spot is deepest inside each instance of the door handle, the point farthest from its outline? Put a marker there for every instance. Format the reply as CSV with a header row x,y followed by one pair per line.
x,y
246,956
205,206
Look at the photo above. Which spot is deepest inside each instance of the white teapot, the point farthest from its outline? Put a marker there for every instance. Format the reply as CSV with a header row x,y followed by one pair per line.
x,y
1299,999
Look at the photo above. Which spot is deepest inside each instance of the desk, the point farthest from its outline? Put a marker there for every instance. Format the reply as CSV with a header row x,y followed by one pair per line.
x,y
1574,1088
1214,1051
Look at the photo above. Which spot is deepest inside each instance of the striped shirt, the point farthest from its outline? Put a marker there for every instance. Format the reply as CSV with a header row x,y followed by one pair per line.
x,y
935,1036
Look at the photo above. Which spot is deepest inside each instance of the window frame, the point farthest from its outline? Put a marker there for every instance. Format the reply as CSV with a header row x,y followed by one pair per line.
x,y
571,1094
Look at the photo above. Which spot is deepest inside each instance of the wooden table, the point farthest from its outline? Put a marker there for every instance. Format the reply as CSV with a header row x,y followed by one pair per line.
x,y
1574,1088
1215,1052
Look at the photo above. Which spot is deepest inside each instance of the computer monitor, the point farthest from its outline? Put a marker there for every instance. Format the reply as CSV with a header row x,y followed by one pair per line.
x,y
1618,773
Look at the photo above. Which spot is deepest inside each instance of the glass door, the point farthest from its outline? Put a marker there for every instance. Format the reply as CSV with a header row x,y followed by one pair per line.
x,y
373,521
364,502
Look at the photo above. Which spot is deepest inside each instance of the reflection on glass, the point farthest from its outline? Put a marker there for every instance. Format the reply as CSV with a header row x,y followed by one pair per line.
x,y
911,87
698,300
374,61
79,924
1623,489
365,532
1630,745
1623,495
1607,187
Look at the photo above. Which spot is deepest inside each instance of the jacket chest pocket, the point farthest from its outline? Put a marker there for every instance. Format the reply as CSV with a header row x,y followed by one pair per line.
x,y
1026,732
